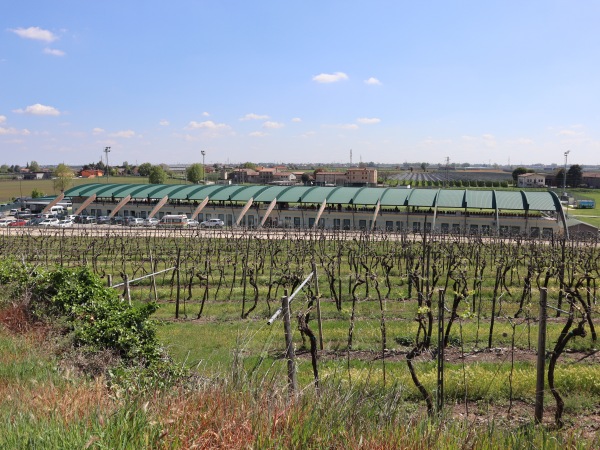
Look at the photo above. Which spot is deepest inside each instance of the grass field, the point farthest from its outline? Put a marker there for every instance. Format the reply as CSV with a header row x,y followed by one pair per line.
x,y
10,189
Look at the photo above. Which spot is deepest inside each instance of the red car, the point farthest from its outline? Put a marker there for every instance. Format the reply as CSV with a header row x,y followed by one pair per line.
x,y
18,223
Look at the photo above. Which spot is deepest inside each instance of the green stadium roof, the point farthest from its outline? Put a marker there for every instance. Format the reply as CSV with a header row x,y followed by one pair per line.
x,y
368,196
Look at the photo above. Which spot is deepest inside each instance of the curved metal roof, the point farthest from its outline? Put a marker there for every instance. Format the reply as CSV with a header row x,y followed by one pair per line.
x,y
451,198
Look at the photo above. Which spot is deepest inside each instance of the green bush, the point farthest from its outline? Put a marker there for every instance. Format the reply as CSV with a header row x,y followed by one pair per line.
x,y
91,316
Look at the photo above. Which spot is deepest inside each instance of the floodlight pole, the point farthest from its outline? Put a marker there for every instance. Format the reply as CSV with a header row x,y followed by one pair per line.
x,y
107,151
565,175
203,167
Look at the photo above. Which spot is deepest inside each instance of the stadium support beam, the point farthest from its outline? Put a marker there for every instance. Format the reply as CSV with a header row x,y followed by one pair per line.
x,y
85,204
375,214
53,202
321,209
269,209
159,205
199,208
244,211
119,206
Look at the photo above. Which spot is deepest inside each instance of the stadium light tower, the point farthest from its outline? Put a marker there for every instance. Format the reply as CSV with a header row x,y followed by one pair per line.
x,y
107,151
203,167
565,175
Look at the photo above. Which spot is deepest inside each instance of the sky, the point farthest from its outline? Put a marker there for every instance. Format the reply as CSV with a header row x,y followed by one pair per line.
x,y
283,81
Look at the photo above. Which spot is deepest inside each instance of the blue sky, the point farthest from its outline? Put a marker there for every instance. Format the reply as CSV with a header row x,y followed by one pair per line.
x,y
300,81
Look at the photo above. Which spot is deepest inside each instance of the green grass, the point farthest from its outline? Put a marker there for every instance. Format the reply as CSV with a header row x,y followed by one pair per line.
x,y
10,189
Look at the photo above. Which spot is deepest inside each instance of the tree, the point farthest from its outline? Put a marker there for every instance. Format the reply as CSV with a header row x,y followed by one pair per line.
x,y
63,177
157,175
144,169
195,173
518,171
4,168
574,175
34,166
249,165
305,178
424,166
36,193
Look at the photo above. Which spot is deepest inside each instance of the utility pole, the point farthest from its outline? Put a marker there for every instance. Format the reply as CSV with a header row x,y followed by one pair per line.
x,y
447,164
107,151
203,167
565,176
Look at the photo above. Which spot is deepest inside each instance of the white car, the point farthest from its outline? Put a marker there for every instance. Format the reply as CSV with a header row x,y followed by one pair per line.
x,y
63,224
212,223
48,223
151,222
135,222
5,222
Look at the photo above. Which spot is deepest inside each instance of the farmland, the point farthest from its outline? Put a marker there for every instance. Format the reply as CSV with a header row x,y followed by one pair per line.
x,y
379,295
452,177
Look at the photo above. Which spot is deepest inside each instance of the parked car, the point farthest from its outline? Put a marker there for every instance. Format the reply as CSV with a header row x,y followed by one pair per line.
x,y
212,223
193,223
34,222
48,223
103,220
135,222
116,220
13,212
5,222
65,223
17,223
127,219
151,222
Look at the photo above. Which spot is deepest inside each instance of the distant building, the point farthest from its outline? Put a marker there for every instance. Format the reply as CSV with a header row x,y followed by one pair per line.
x,y
531,180
363,176
91,173
330,178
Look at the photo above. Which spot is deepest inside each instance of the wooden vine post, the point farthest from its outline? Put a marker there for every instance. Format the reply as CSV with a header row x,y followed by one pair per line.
x,y
541,357
318,297
440,354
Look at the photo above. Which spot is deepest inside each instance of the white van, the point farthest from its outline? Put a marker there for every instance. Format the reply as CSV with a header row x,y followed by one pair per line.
x,y
173,221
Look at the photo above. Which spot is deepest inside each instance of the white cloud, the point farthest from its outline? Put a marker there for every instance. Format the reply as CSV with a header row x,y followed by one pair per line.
x,y
124,134
13,131
368,120
258,134
330,77
35,33
208,124
373,81
569,133
205,114
2,119
97,131
272,125
164,123
39,110
252,116
54,52
296,120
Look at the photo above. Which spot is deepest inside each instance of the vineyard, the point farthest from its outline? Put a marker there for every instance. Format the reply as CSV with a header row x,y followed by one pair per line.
x,y
455,178
389,305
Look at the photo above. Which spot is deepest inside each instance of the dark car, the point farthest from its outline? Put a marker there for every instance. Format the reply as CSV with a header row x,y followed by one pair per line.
x,y
116,220
103,220
34,222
